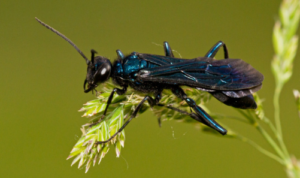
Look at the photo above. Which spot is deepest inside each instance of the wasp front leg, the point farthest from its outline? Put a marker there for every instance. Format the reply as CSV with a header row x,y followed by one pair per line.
x,y
151,102
119,92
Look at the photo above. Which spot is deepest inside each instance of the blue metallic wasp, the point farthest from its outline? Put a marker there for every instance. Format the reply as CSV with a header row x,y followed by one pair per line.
x,y
231,81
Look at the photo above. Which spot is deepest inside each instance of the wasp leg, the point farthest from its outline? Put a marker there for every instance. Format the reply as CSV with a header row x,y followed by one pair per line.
x,y
213,51
120,54
133,115
168,50
206,119
119,92
192,115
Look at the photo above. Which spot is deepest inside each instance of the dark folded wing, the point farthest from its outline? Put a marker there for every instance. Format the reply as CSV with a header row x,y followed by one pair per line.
x,y
205,73
160,60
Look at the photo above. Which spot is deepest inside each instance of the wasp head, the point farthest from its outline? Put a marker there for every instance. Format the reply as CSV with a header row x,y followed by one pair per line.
x,y
98,71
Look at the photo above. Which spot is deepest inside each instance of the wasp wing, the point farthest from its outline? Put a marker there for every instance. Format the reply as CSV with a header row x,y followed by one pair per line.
x,y
160,60
204,73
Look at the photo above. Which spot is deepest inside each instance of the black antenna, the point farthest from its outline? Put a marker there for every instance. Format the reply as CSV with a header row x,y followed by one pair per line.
x,y
64,37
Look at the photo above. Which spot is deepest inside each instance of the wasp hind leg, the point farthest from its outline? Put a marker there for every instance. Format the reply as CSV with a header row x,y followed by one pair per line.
x,y
202,115
191,114
213,51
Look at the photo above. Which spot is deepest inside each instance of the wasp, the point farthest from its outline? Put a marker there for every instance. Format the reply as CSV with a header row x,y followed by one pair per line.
x,y
231,81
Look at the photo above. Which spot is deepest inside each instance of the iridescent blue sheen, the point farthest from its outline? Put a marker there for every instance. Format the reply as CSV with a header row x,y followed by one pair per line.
x,y
120,54
216,47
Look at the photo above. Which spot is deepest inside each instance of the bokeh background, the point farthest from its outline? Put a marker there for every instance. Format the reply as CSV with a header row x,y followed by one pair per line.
x,y
42,78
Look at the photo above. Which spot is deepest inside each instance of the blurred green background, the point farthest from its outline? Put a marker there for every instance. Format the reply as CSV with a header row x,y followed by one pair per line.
x,y
42,78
